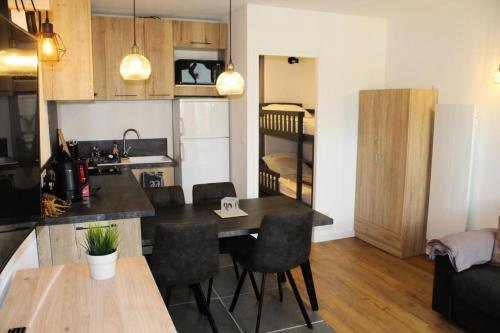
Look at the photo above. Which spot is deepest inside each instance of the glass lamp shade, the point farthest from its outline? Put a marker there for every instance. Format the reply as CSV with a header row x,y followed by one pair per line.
x,y
496,77
135,66
230,82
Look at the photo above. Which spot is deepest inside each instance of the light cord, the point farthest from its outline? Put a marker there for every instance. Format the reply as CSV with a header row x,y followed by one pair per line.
x,y
230,31
135,42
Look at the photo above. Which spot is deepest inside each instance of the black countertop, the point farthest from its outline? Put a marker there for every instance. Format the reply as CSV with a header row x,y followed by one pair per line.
x,y
120,197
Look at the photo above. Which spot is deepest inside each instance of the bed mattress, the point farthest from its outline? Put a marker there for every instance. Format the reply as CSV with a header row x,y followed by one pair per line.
x,y
288,187
309,125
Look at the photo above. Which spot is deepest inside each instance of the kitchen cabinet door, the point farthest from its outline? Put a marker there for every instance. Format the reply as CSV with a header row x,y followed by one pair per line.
x,y
200,35
159,49
110,47
71,78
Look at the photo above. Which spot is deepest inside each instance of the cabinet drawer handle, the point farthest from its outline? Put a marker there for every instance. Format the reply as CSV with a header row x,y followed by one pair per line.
x,y
159,94
126,95
100,226
203,43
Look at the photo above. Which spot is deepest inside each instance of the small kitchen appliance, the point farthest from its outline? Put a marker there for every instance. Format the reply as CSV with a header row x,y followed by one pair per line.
x,y
197,72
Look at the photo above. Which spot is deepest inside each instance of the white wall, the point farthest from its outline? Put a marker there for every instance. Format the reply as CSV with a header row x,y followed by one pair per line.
x,y
288,83
238,106
351,53
106,120
455,47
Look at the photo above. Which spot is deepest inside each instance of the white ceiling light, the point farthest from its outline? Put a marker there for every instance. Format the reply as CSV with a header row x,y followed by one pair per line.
x,y
230,82
135,66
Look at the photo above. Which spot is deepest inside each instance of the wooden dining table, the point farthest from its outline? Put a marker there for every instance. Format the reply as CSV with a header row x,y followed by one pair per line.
x,y
229,227
66,299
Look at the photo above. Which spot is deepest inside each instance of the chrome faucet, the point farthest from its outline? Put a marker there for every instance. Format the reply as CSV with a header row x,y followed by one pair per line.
x,y
125,149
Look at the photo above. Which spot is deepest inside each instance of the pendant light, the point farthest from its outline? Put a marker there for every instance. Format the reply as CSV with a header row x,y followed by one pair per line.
x,y
230,82
496,77
50,45
135,66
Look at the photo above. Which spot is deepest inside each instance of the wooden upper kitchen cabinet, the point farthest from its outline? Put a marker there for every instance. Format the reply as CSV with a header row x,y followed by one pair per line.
x,y
71,79
394,155
202,35
159,49
112,39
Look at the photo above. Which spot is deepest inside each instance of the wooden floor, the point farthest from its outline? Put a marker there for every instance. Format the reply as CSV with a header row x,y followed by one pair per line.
x,y
363,289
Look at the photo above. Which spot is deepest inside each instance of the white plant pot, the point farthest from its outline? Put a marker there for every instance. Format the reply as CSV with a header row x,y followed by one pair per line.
x,y
102,267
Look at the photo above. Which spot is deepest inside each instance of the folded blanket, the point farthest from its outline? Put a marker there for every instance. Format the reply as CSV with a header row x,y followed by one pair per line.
x,y
465,249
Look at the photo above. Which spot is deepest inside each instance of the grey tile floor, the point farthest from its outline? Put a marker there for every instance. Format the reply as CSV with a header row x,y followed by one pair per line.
x,y
276,316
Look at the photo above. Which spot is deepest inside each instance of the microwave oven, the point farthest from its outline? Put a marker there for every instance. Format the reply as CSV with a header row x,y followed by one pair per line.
x,y
199,72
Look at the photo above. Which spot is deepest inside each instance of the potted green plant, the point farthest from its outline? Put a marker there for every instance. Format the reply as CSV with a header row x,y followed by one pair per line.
x,y
101,244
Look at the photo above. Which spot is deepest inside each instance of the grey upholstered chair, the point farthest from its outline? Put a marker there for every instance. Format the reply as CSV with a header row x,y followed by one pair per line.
x,y
165,196
185,255
214,193
284,243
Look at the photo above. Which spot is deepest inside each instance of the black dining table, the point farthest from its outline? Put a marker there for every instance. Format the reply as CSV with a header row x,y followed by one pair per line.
x,y
228,227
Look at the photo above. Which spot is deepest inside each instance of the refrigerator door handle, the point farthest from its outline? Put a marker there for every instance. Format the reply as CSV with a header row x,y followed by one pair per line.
x,y
182,152
181,126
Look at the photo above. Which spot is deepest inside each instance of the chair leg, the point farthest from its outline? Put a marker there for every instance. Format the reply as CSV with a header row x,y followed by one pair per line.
x,y
236,270
299,299
209,292
282,277
199,301
168,293
261,300
309,282
238,290
254,284
280,290
197,290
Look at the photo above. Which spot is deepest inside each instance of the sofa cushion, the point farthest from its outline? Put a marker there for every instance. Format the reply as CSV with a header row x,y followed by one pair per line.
x,y
479,286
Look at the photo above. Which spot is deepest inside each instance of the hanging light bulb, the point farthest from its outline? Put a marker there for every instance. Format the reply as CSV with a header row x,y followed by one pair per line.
x,y
230,82
496,77
50,45
135,66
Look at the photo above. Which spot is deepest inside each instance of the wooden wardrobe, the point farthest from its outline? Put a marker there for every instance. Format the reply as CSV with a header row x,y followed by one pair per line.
x,y
393,168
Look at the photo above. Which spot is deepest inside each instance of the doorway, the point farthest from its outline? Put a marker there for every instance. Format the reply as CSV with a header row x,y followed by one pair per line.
x,y
287,108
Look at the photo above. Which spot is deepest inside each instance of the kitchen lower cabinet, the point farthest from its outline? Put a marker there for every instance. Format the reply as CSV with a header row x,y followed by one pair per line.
x,y
62,244
168,174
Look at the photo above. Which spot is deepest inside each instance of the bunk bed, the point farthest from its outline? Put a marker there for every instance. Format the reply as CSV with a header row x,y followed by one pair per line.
x,y
291,122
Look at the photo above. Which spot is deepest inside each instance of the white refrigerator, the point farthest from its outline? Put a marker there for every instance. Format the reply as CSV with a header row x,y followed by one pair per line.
x,y
201,142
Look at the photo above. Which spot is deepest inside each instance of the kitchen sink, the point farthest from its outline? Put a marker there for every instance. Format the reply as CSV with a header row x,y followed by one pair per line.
x,y
141,160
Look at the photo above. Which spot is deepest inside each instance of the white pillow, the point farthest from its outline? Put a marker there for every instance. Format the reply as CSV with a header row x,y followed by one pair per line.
x,y
286,165
287,107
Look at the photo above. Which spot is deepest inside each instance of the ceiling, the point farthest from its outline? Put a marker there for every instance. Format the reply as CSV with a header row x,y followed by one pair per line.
x,y
217,9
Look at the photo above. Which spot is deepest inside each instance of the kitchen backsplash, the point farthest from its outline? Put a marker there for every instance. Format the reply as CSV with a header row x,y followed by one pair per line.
x,y
139,147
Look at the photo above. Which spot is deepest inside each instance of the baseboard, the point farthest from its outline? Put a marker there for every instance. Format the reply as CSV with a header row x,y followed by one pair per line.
x,y
321,234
